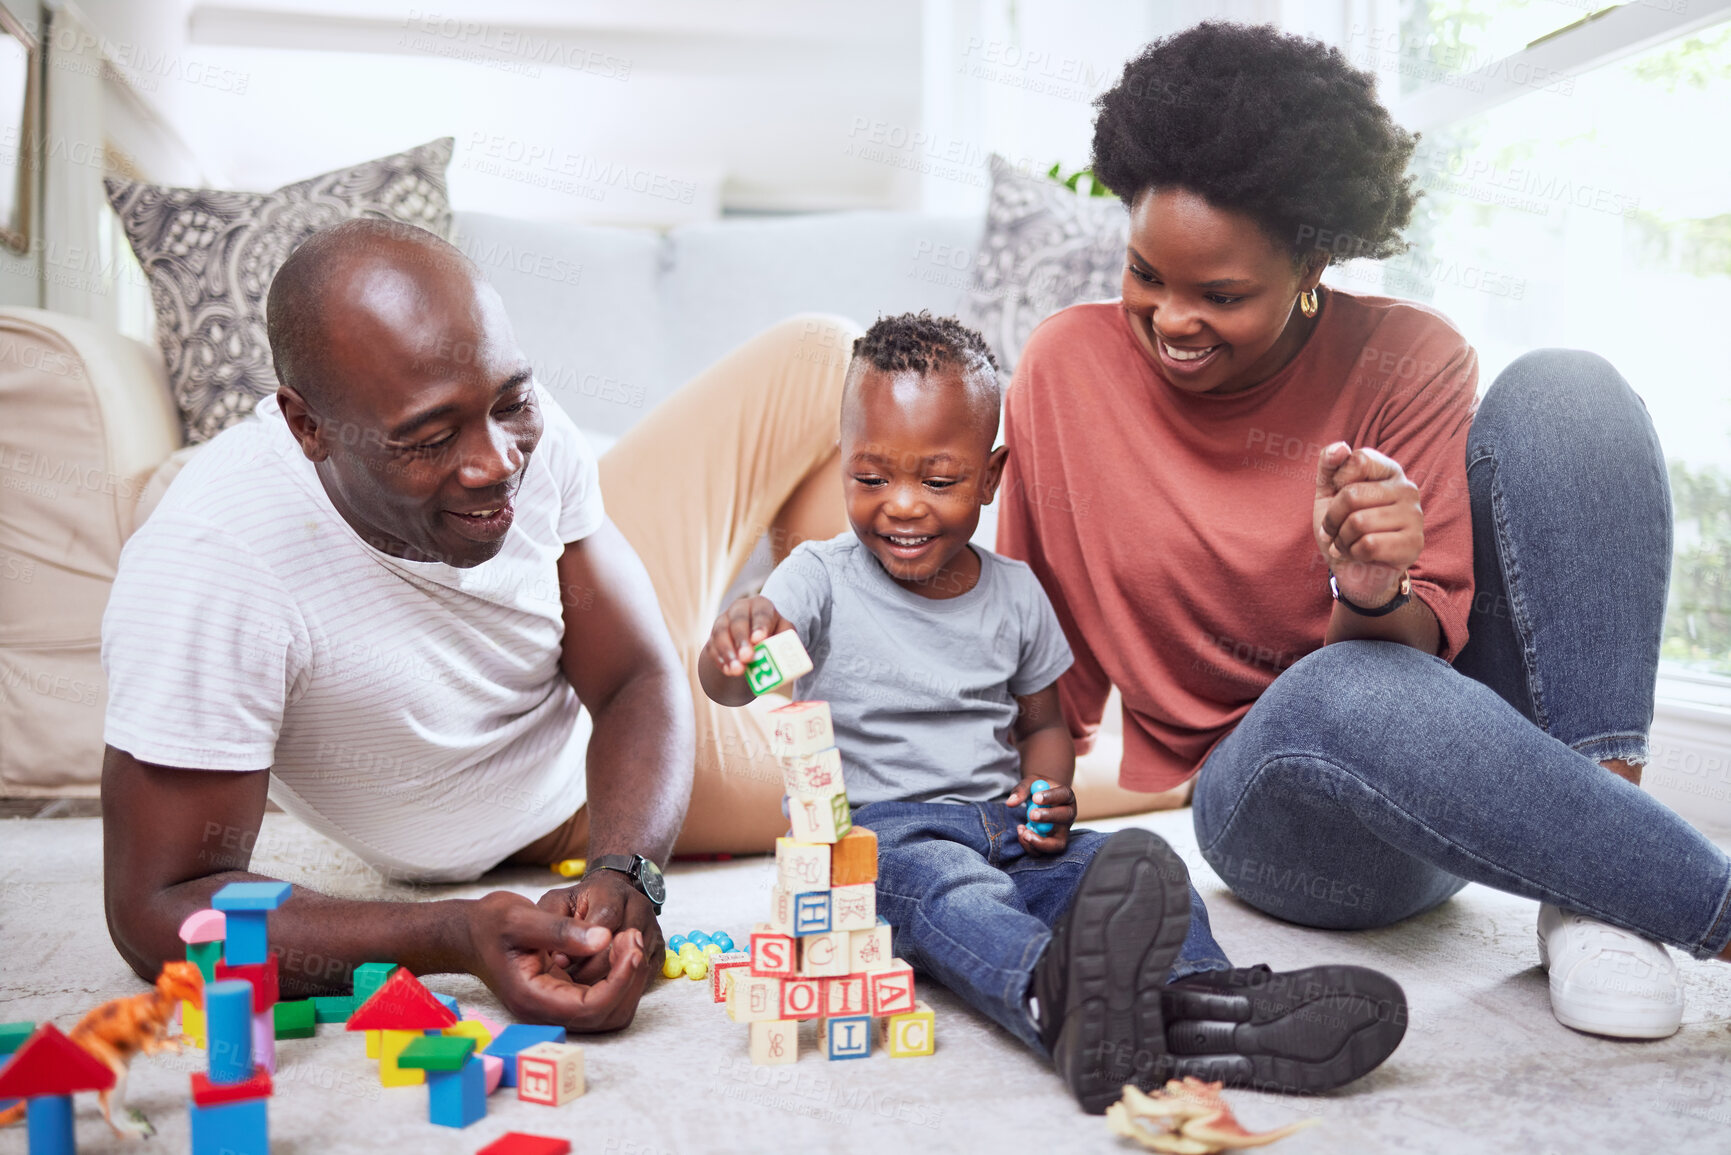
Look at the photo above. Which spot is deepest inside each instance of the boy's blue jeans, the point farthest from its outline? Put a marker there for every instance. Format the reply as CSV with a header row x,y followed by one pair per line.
x,y
973,909
1370,782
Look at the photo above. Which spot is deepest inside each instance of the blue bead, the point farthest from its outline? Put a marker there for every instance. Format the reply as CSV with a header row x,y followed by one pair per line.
x,y
725,942
1040,828
697,937
674,943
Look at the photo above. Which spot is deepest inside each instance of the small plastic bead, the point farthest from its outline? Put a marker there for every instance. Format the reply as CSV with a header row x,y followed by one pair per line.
x,y
697,937
1040,828
711,948
697,968
674,943
672,966
725,942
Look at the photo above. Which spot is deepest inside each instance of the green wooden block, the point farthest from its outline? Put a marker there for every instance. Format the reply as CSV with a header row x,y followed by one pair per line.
x,y
205,955
333,1008
12,1036
295,1020
369,977
437,1053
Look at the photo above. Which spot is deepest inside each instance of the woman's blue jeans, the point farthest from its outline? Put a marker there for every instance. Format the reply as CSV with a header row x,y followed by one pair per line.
x,y
1370,782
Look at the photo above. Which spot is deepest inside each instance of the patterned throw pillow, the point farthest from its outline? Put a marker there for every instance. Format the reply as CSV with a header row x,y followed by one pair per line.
x,y
210,256
1045,248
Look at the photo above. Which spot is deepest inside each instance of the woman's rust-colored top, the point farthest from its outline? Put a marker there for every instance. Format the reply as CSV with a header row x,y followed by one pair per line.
x,y
1173,530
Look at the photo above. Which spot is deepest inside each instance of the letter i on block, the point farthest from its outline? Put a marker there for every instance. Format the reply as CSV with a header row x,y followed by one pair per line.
x,y
819,817
774,1041
777,661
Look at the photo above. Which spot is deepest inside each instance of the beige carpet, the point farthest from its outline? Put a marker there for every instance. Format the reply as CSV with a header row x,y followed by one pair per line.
x,y
1484,1067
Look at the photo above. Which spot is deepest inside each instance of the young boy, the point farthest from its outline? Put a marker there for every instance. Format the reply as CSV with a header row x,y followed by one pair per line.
x,y
940,663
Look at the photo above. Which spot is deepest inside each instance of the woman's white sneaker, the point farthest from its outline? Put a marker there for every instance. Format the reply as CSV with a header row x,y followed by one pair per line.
x,y
1608,981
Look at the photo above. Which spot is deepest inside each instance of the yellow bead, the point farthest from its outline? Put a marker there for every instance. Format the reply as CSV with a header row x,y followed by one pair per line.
x,y
710,948
571,867
690,950
672,966
697,968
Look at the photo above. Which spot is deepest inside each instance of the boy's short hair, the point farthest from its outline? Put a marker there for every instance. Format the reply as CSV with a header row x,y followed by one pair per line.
x,y
921,343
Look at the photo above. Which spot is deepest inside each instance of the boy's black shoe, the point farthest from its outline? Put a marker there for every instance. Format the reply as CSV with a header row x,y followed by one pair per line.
x,y
1099,982
1297,1031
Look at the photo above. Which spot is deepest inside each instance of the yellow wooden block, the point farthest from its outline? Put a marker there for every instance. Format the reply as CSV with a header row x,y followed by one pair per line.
x,y
911,1034
192,1024
373,1044
391,1044
470,1029
774,1041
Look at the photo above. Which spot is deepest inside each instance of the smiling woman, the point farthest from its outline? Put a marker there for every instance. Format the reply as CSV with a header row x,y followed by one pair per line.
x,y
1274,624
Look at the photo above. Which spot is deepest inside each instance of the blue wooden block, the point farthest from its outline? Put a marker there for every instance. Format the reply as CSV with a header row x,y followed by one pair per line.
x,y
850,1037
51,1125
516,1037
811,913
241,1128
228,1030
251,896
450,1001
248,938
457,1098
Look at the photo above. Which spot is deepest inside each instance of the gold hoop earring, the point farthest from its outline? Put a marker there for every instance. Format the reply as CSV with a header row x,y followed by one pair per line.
x,y
1307,303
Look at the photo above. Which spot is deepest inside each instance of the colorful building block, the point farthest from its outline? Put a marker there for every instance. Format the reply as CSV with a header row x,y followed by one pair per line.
x,y
437,1053
208,1094
772,953
470,1029
869,949
369,977
205,956
719,967
778,660
191,1024
246,907
892,989
854,907
494,1067
228,1027
401,1004
823,956
774,1042
800,729
262,977
518,1037
392,1044
800,999
449,1002
49,1125
550,1073
753,998
521,1143
846,995
848,1037
296,1020
801,865
264,1040
241,1128
819,817
812,913
909,1034
780,910
457,1098
12,1035
333,1008
812,774
203,926
853,858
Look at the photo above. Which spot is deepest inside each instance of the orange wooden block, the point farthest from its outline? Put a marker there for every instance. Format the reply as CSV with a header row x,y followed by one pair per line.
x,y
853,858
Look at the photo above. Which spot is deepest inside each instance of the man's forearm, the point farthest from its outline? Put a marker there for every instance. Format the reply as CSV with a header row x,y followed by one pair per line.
x,y
641,757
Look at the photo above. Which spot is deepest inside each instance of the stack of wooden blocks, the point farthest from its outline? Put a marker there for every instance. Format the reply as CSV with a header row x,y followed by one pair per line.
x,y
824,954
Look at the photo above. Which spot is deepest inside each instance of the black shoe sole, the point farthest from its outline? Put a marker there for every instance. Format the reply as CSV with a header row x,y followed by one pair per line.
x,y
1127,921
1300,1032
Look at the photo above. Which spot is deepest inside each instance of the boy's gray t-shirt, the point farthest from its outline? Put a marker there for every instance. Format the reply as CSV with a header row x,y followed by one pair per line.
x,y
922,690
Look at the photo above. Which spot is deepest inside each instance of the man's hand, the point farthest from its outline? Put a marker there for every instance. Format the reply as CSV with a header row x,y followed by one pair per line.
x,y
512,946
1367,522
605,898
1054,804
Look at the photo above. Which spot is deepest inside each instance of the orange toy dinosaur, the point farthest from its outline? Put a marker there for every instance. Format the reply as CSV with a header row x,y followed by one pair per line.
x,y
121,1028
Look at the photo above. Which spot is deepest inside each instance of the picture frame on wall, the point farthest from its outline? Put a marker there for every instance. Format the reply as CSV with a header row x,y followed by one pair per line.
x,y
20,70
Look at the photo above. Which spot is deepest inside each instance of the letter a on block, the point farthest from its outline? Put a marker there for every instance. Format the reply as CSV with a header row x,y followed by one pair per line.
x,y
892,989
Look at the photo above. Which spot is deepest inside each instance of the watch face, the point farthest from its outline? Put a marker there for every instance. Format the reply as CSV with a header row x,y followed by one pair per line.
x,y
654,886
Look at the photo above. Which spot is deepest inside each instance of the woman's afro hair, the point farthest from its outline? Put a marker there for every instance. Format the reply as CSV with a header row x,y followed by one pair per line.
x,y
1280,128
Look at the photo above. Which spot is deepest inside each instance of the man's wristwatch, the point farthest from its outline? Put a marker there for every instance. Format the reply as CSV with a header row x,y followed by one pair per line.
x,y
1401,597
644,875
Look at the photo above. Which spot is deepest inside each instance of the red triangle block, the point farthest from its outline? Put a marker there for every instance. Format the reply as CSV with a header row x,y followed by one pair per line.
x,y
49,1063
401,1004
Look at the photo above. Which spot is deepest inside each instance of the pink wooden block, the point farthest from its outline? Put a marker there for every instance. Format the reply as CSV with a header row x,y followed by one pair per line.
x,y
204,926
494,1069
264,1039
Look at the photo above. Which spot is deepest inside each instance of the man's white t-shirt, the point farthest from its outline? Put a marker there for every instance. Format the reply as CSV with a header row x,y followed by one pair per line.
x,y
412,711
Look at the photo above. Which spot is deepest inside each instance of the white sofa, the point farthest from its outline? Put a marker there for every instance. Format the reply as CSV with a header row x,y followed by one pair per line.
x,y
614,320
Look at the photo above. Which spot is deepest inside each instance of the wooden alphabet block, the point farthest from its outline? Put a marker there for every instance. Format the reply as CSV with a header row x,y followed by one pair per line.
x,y
849,1037
811,913
774,1041
823,955
869,949
781,909
800,729
777,661
751,998
720,968
550,1073
854,907
854,857
772,954
819,817
892,989
846,995
910,1034
801,865
800,999
818,773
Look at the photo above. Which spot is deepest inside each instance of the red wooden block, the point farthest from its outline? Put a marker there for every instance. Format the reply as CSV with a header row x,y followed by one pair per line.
x,y
772,954
519,1143
262,976
892,989
49,1063
845,995
208,1094
401,1004
801,999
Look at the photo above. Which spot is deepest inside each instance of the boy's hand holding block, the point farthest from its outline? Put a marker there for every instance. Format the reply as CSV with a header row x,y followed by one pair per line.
x,y
777,661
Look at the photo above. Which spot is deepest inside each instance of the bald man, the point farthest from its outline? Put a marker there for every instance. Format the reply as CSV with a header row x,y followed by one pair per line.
x,y
395,604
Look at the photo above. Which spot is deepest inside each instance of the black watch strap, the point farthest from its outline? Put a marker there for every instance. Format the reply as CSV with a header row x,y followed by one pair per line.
x,y
1401,597
631,866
